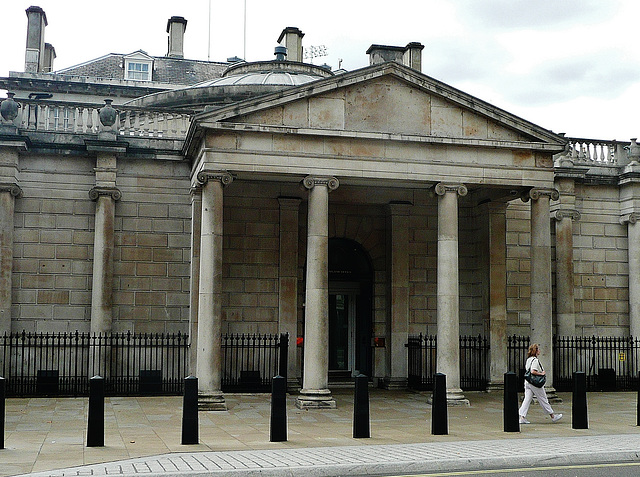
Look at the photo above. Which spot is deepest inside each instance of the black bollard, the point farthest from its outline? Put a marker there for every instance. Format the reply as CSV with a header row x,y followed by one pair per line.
x,y
279,409
2,408
511,418
361,427
95,425
579,406
439,424
190,411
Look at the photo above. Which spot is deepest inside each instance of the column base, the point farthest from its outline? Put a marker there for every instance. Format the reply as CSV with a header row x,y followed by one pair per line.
x,y
213,401
552,395
454,398
391,383
293,385
315,399
495,387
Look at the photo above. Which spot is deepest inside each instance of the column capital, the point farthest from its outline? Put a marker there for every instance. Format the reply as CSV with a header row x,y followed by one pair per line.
x,y
195,191
112,192
13,189
560,214
631,218
536,193
221,176
332,183
442,188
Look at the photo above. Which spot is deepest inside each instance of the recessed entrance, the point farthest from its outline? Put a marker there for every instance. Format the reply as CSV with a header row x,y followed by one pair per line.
x,y
350,309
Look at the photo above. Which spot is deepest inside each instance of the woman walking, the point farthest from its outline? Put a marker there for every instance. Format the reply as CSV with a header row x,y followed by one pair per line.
x,y
533,365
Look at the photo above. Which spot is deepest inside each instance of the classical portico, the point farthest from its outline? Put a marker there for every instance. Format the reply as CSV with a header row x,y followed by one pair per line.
x,y
408,169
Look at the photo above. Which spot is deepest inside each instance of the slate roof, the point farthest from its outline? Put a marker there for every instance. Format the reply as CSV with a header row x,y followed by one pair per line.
x,y
178,71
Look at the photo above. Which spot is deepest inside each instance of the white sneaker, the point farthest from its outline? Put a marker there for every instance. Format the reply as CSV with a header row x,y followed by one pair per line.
x,y
556,417
524,421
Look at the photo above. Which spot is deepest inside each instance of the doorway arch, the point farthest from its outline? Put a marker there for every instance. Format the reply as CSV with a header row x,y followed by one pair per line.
x,y
350,309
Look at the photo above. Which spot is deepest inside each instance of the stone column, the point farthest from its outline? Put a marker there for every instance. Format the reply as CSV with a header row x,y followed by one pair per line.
x,y
633,233
194,283
397,325
105,194
288,283
8,195
315,392
209,359
541,306
496,291
448,290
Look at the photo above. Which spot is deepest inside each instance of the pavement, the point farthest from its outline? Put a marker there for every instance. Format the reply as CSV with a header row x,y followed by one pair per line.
x,y
47,436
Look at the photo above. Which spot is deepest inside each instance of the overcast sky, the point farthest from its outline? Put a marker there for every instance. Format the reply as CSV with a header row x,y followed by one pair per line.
x,y
567,65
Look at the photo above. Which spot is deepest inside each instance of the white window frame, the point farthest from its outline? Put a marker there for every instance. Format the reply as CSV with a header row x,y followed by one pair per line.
x,y
138,67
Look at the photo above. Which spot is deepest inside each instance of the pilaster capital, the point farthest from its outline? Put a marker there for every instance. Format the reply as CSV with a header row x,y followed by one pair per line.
x,y
396,207
13,189
536,193
112,192
221,176
332,183
560,214
442,188
289,203
631,218
195,192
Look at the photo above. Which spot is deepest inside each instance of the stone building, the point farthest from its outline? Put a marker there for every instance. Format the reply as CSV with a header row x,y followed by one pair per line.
x,y
350,209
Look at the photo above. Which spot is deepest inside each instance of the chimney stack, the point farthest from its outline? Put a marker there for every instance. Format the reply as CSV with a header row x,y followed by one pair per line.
x,y
410,55
34,55
49,56
176,26
291,39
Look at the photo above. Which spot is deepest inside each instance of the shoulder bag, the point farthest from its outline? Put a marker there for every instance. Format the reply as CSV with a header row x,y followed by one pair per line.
x,y
536,380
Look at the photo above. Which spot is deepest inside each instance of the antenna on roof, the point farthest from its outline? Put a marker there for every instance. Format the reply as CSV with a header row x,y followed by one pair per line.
x,y
209,42
244,52
315,52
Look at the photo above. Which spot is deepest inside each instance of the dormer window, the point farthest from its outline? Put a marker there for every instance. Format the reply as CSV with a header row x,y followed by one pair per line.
x,y
138,66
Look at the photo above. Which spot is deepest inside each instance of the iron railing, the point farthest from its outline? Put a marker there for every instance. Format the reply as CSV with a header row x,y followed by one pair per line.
x,y
609,363
61,364
250,361
474,371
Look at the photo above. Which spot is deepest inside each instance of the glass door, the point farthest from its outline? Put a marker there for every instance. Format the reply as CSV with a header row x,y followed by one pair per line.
x,y
341,332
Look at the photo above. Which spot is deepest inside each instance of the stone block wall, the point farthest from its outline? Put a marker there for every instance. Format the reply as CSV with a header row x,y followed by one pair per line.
x,y
53,245
600,263
152,247
518,239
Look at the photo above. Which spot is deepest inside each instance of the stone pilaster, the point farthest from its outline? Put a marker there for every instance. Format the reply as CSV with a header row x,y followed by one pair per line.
x,y
288,283
315,391
541,305
633,233
209,355
397,323
105,194
8,195
194,283
495,290
448,290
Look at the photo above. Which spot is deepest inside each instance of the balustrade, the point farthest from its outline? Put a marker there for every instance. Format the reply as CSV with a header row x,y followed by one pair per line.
x,y
596,151
83,119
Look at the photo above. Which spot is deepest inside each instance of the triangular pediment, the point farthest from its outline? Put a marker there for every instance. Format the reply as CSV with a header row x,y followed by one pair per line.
x,y
388,99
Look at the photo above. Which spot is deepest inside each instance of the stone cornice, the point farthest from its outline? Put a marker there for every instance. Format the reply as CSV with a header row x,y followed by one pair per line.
x,y
332,183
535,194
442,188
112,192
560,214
631,218
221,176
13,189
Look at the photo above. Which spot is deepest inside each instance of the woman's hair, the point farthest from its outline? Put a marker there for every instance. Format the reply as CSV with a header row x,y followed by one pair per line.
x,y
533,349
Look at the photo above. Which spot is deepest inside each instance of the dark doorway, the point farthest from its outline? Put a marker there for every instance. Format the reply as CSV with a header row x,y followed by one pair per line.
x,y
350,309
